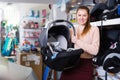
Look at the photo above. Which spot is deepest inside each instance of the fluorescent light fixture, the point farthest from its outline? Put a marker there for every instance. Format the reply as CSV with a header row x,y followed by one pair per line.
x,y
72,6
78,3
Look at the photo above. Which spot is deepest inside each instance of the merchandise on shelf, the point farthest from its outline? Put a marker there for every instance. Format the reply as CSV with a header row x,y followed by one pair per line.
x,y
30,31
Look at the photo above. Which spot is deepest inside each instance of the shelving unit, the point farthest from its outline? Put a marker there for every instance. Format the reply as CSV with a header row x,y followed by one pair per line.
x,y
30,33
9,57
111,22
109,29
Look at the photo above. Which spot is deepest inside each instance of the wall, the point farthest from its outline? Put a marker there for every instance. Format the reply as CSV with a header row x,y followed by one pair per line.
x,y
25,11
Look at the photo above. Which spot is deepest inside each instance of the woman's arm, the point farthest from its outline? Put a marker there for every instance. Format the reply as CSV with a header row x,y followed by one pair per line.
x,y
92,48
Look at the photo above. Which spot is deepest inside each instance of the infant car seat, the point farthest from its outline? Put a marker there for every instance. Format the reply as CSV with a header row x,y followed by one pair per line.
x,y
105,10
111,58
56,46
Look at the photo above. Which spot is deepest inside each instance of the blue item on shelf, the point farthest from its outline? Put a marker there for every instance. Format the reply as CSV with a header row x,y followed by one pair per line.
x,y
8,47
118,9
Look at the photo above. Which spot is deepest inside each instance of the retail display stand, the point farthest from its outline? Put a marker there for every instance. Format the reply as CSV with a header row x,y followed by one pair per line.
x,y
29,53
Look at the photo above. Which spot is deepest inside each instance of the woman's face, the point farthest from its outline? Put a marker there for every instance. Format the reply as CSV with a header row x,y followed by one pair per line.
x,y
82,16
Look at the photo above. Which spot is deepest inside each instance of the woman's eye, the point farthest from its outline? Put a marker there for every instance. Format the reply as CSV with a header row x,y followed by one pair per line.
x,y
84,15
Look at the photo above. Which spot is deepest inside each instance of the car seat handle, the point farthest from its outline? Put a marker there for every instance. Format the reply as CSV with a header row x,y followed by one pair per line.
x,y
60,21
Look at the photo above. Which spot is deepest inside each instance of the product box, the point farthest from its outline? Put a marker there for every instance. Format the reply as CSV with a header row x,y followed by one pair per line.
x,y
33,60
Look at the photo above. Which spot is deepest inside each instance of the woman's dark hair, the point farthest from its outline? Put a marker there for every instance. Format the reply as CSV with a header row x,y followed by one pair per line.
x,y
87,25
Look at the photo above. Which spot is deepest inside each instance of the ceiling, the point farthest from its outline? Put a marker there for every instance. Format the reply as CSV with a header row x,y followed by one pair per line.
x,y
30,1
50,1
70,3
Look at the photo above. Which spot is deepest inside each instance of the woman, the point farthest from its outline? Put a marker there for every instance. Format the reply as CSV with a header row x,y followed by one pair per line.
x,y
87,38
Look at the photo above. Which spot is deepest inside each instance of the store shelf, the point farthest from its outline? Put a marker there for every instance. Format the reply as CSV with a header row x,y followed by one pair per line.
x,y
115,21
10,57
34,29
32,37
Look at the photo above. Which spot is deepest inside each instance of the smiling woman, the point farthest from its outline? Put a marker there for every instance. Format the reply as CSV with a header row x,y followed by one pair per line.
x,y
87,38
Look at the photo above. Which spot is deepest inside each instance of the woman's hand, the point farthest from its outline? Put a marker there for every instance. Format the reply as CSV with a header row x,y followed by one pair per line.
x,y
74,39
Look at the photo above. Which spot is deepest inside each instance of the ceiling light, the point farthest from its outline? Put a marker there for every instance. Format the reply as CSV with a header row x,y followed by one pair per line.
x,y
72,6
78,3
